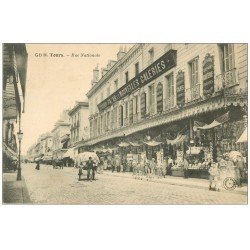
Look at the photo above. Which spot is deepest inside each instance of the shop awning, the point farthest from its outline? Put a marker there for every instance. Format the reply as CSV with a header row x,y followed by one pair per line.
x,y
178,139
135,144
9,152
211,125
70,153
153,143
218,121
123,144
243,137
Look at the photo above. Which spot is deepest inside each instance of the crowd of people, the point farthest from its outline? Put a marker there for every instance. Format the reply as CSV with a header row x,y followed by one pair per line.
x,y
227,167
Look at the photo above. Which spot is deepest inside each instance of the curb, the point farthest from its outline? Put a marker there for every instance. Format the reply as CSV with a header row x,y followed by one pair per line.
x,y
179,184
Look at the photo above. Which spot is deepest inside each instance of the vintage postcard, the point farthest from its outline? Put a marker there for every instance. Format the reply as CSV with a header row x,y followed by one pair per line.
x,y
139,124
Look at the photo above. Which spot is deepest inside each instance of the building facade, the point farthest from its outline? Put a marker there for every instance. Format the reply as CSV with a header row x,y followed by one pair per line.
x,y
157,92
79,120
59,133
14,80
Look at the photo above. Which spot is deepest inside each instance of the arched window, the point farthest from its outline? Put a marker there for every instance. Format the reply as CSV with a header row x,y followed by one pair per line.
x,y
159,97
143,105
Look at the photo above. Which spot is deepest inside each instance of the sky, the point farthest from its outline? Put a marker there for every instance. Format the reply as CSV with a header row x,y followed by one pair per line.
x,y
55,83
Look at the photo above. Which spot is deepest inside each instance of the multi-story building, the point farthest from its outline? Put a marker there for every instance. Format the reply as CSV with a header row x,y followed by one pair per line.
x,y
156,92
79,119
79,131
14,80
59,133
46,147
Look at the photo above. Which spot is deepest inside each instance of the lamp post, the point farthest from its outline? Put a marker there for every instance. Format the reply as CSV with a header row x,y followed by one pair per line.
x,y
20,137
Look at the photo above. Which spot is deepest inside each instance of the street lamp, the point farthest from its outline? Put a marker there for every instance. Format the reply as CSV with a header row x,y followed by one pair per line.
x,y
20,137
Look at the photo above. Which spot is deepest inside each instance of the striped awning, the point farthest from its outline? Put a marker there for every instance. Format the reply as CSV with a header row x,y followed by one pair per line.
x,y
243,137
178,139
123,144
153,143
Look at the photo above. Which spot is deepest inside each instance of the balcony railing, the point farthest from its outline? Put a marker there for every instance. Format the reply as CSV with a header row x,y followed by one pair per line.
x,y
227,79
193,93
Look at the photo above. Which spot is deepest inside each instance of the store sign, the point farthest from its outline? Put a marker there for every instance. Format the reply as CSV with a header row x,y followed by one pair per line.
x,y
180,88
208,75
160,66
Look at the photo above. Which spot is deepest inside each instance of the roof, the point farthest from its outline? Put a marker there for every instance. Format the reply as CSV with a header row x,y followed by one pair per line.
x,y
112,70
78,106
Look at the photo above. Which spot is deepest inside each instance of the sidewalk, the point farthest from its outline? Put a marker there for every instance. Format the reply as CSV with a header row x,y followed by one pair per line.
x,y
14,192
179,181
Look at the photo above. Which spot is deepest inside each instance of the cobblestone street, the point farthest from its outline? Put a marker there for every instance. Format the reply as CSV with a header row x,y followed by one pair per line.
x,y
61,186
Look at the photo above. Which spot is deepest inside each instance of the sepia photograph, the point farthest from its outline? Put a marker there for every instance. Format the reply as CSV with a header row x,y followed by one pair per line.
x,y
125,124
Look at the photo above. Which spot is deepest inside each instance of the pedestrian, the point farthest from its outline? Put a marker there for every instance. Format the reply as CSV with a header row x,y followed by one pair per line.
x,y
37,165
94,170
100,166
214,177
169,166
152,167
90,168
113,162
185,166
240,168
80,171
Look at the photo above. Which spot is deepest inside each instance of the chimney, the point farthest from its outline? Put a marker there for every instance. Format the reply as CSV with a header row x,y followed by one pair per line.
x,y
110,64
120,54
104,71
95,75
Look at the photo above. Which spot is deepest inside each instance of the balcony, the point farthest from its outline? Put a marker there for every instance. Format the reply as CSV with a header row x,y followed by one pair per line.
x,y
227,79
193,93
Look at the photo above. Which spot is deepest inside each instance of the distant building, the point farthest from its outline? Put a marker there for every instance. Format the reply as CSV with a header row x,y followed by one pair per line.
x,y
60,131
79,128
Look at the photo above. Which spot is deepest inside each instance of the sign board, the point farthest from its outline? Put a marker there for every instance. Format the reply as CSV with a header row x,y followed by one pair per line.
x,y
160,66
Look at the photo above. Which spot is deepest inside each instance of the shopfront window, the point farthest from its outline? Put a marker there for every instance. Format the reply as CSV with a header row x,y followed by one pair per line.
x,y
151,99
159,93
131,111
136,69
227,52
143,105
116,84
194,72
108,120
150,56
121,115
115,117
126,113
169,91
126,77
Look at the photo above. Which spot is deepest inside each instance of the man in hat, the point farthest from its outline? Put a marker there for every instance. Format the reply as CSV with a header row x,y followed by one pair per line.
x,y
90,169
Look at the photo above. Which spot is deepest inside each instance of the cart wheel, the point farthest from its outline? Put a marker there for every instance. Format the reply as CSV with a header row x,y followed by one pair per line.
x,y
229,183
